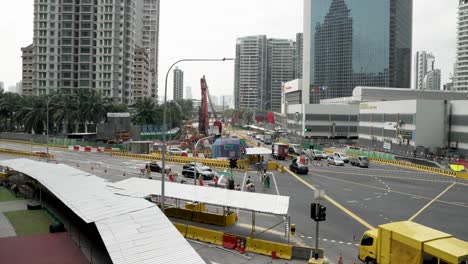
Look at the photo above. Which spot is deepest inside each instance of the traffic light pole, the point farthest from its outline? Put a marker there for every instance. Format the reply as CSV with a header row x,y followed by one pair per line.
x,y
317,234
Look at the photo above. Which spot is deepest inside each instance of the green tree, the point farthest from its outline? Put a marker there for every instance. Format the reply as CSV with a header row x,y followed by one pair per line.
x,y
32,114
145,111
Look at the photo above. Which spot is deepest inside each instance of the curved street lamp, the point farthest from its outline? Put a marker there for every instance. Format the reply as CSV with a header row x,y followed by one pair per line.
x,y
164,120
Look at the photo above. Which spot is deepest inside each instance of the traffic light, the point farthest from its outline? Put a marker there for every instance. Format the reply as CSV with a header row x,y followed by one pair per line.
x,y
322,213
233,163
305,129
313,211
293,229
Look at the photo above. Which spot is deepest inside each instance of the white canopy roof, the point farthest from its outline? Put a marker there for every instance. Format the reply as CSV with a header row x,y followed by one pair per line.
x,y
257,151
133,230
258,202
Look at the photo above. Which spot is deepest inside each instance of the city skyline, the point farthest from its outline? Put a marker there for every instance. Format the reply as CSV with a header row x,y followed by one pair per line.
x,y
220,75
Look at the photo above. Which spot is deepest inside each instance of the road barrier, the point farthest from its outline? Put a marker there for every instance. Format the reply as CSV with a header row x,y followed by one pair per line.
x,y
215,163
205,235
418,167
202,216
26,153
229,241
268,248
182,228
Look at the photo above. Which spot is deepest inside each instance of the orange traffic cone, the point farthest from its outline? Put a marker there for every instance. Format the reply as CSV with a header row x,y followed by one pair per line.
x,y
340,259
242,247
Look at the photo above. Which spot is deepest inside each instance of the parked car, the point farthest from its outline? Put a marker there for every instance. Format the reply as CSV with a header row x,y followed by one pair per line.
x,y
176,151
157,167
361,161
294,149
198,165
316,154
342,156
190,172
335,160
298,167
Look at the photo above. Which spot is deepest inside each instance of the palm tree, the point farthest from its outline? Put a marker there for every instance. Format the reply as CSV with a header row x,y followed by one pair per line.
x,y
9,105
94,109
32,113
145,111
64,111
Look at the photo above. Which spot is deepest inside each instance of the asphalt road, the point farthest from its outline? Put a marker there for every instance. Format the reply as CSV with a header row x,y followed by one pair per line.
x,y
378,195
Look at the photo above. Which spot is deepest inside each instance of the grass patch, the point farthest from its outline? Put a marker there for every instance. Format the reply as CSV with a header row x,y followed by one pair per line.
x,y
6,195
27,222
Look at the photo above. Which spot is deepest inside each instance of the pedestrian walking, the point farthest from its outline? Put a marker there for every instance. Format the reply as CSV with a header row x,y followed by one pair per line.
x,y
248,181
216,181
148,171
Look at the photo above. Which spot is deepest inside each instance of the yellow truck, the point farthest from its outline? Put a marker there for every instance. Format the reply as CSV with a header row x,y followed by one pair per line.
x,y
411,243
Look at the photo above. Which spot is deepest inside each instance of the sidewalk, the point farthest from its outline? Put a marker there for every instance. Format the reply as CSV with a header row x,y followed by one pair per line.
x,y
6,229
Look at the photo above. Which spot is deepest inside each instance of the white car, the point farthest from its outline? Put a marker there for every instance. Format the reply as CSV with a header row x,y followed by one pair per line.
x,y
342,156
335,160
176,151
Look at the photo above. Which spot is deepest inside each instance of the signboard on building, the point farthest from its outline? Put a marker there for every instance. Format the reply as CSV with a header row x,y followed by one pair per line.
x,y
292,86
390,125
387,145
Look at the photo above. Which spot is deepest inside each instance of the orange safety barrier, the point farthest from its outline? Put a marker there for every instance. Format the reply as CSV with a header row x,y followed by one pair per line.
x,y
229,241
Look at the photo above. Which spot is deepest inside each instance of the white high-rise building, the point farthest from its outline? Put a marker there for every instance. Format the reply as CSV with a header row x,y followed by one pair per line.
x,y
188,92
461,66
262,65
280,70
147,37
27,58
423,64
250,71
178,84
84,45
298,56
432,80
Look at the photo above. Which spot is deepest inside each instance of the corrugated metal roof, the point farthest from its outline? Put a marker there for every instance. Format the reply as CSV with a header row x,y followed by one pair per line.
x,y
83,193
264,203
146,236
133,229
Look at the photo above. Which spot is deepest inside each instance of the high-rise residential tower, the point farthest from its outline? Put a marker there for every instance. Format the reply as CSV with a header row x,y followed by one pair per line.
x,y
178,84
141,88
355,43
27,74
250,71
147,37
427,77
84,45
461,66
279,70
262,66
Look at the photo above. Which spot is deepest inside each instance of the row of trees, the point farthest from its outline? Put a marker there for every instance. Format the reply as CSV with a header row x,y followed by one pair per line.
x,y
79,111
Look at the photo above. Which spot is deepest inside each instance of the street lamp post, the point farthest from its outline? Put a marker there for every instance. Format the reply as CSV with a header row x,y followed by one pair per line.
x,y
164,120
47,126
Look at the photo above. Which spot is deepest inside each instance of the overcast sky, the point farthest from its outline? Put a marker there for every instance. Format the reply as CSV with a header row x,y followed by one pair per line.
x,y
209,28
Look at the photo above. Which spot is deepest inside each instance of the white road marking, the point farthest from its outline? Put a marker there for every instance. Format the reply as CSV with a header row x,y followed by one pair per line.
x,y
353,201
367,199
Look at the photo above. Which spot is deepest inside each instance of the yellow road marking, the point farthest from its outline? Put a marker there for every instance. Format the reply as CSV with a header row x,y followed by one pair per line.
x,y
384,189
431,202
331,200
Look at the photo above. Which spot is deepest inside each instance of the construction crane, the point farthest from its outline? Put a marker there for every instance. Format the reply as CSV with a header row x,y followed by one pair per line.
x,y
204,118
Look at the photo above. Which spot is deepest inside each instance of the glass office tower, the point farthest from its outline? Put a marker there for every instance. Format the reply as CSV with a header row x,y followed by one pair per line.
x,y
356,43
